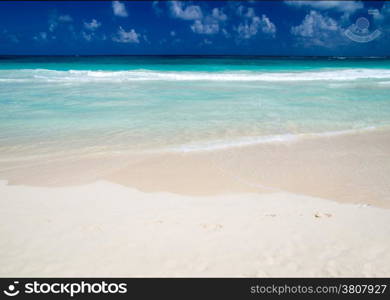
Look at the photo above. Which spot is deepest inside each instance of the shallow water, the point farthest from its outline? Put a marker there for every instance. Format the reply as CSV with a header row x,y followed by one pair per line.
x,y
71,105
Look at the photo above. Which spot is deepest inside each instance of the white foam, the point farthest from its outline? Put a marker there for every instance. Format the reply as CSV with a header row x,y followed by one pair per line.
x,y
248,141
148,75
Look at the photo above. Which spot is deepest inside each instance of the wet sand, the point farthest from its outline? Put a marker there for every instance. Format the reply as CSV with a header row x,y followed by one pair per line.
x,y
353,168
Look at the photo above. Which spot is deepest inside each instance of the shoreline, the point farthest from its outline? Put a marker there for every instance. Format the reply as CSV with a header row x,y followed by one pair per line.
x,y
185,215
348,168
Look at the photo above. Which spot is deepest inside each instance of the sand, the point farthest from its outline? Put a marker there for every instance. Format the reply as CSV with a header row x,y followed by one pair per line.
x,y
317,207
104,229
353,168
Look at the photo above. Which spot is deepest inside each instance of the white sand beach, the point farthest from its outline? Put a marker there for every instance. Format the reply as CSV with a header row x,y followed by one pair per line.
x,y
105,229
186,215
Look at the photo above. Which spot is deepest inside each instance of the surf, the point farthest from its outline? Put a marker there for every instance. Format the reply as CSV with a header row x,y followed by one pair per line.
x,y
86,76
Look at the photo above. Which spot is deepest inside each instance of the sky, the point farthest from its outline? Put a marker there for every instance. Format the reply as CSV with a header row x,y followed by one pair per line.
x,y
288,28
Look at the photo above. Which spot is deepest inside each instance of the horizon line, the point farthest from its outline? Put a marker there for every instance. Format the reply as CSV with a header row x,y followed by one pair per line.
x,y
192,55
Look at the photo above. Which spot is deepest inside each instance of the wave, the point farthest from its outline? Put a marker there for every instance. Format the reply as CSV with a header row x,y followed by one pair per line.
x,y
269,139
79,76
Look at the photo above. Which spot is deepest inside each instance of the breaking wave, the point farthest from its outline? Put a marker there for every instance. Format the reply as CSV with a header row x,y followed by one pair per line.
x,y
79,76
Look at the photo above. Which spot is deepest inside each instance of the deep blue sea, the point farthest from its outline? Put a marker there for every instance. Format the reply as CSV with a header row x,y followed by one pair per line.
x,y
120,104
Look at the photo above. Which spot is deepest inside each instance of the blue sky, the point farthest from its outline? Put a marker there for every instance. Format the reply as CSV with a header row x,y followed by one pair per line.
x,y
193,27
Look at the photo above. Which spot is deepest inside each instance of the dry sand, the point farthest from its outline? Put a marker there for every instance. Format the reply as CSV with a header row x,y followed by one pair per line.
x,y
103,229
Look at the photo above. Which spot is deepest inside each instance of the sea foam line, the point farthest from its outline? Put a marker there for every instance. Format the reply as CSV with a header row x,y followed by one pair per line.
x,y
268,139
148,75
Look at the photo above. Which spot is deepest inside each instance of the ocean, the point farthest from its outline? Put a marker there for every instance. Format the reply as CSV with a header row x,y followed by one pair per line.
x,y
64,106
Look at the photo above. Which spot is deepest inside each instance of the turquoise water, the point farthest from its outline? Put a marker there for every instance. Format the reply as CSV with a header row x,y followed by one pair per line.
x,y
52,105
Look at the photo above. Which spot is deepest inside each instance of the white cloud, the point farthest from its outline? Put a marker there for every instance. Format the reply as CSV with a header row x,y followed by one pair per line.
x,y
119,9
87,36
41,36
126,36
314,23
218,14
382,18
211,23
93,25
383,13
55,20
65,19
208,24
342,6
318,30
183,11
253,25
246,12
205,27
267,26
216,20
